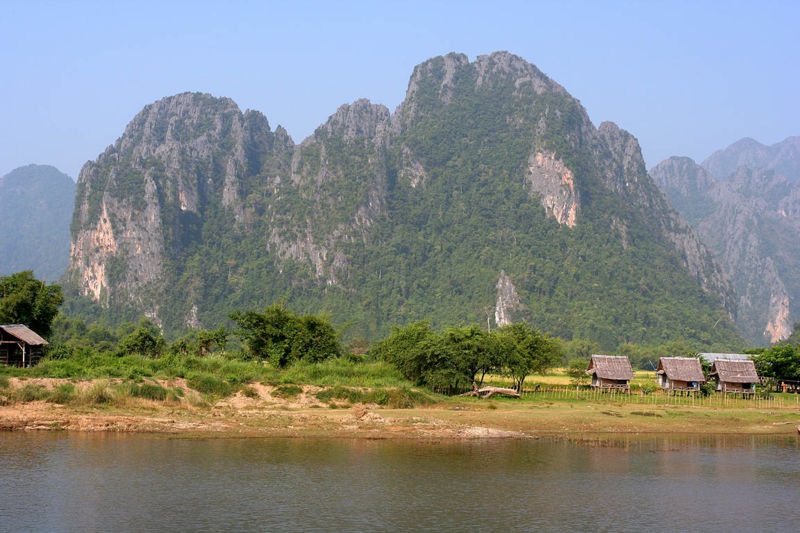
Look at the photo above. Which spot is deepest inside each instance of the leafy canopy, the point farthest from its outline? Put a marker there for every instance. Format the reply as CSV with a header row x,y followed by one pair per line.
x,y
27,300
281,337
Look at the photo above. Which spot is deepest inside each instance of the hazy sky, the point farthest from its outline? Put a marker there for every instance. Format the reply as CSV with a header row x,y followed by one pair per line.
x,y
685,78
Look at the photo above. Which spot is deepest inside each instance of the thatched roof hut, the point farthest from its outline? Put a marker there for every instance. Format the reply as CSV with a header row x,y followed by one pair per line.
x,y
610,371
19,345
711,357
735,376
680,373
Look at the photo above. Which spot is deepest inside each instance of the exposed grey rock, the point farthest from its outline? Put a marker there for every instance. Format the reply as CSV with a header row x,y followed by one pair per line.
x,y
508,301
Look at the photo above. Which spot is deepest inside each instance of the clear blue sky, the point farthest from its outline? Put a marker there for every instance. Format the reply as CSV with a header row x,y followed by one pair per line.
x,y
685,78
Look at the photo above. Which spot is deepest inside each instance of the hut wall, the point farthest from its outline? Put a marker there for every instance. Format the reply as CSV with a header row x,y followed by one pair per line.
x,y
675,384
608,383
736,387
10,354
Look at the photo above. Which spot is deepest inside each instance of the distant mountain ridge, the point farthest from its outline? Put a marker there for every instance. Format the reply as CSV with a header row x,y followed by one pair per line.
x,y
745,203
36,203
488,193
782,157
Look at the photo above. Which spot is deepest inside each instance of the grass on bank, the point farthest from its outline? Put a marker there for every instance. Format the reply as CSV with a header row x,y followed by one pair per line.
x,y
118,379
345,380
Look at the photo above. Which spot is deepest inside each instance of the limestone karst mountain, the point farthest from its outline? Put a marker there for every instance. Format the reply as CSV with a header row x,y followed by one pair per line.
x,y
36,203
382,218
744,202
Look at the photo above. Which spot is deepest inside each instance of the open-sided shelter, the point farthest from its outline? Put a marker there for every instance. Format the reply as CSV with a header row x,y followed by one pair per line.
x,y
735,376
19,346
680,373
610,371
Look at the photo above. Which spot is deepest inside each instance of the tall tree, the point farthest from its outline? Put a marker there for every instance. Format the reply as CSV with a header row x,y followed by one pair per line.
x,y
527,351
27,300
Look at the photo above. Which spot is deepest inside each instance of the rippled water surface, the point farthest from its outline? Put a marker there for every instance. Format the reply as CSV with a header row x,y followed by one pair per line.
x,y
69,482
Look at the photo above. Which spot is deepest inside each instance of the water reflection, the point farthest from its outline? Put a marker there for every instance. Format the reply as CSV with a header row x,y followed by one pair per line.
x,y
87,482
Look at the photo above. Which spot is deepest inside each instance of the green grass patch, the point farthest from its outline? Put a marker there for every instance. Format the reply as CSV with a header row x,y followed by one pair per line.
x,y
398,398
209,384
63,394
31,393
286,391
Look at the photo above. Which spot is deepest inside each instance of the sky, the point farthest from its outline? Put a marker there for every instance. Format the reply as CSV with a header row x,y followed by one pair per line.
x,y
686,78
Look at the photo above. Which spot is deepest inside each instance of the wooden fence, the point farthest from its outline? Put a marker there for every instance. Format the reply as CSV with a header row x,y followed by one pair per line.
x,y
717,400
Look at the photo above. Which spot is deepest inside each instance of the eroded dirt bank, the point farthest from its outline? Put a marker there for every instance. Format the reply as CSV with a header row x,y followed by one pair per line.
x,y
265,411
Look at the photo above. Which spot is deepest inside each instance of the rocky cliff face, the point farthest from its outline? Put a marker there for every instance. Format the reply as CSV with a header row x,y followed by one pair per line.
x,y
749,219
383,218
142,204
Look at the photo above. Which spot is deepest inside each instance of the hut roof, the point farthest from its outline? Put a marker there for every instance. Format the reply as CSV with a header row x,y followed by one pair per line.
x,y
23,333
711,357
611,367
681,368
735,371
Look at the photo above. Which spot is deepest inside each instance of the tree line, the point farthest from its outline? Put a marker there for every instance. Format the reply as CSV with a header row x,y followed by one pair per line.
x,y
448,361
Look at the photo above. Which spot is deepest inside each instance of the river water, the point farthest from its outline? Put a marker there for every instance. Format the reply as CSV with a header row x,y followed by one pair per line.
x,y
106,482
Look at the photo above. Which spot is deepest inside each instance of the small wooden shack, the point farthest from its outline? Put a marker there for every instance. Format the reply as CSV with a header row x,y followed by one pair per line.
x,y
680,373
610,371
19,346
735,376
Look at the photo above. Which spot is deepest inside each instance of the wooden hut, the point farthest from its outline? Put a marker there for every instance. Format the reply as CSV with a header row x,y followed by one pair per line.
x,y
711,357
19,346
610,371
680,373
735,376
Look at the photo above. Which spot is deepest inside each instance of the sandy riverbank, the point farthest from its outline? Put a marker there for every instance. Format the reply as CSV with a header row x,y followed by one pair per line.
x,y
262,412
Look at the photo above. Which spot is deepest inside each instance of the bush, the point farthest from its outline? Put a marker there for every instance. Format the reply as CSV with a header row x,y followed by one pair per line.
x,y
151,391
648,388
209,384
286,391
31,393
97,394
707,388
63,394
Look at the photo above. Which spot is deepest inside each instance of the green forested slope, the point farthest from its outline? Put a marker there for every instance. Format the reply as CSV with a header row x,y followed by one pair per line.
x,y
36,203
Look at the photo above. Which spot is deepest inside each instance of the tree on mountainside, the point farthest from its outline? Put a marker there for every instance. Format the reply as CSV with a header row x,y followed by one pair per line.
x,y
27,300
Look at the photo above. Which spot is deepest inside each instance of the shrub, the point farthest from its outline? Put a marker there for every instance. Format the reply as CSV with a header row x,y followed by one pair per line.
x,y
151,391
31,393
63,394
648,388
250,392
97,394
209,384
286,391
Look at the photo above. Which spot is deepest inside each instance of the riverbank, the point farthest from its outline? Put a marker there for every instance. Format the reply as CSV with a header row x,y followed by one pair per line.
x,y
260,410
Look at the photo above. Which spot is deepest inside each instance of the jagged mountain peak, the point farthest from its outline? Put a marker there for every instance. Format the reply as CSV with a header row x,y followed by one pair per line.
x,y
783,157
361,119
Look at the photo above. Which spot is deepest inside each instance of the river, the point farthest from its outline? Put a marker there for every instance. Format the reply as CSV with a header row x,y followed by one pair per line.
x,y
110,482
